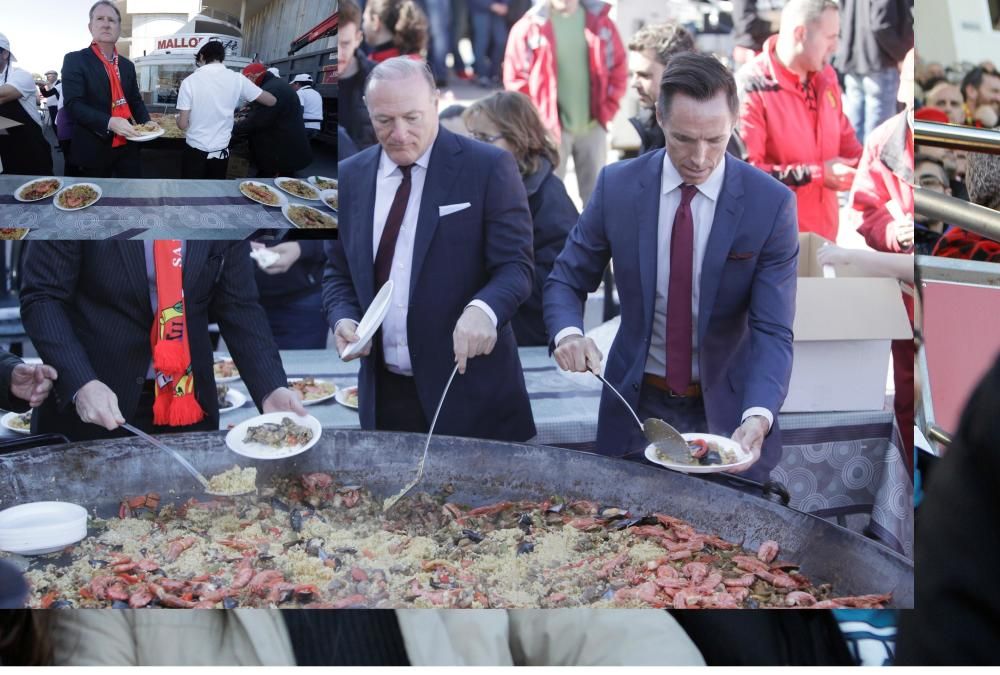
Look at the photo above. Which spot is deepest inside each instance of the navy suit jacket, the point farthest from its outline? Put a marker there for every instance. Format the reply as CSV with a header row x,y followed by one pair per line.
x,y
85,306
746,301
482,252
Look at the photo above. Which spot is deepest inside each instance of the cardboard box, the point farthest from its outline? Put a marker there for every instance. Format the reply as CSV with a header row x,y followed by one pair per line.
x,y
843,332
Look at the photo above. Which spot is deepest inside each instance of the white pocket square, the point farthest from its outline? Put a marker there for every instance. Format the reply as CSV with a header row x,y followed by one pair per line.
x,y
452,208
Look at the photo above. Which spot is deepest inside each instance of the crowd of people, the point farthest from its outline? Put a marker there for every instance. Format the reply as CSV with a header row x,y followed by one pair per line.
x,y
96,107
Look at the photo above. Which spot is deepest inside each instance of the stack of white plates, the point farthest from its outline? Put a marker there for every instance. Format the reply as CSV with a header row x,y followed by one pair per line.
x,y
41,527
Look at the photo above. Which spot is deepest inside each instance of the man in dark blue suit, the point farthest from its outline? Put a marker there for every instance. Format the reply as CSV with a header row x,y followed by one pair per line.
x,y
705,250
446,219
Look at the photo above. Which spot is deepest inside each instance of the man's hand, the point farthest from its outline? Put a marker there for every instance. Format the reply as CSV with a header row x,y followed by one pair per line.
x,y
751,436
499,8
345,334
837,174
288,253
32,383
122,127
97,404
474,334
578,354
284,399
904,233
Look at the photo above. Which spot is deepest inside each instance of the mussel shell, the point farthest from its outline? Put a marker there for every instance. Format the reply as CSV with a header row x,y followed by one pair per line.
x,y
525,547
472,536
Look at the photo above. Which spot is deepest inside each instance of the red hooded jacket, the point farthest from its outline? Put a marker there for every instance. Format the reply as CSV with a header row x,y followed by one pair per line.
x,y
885,174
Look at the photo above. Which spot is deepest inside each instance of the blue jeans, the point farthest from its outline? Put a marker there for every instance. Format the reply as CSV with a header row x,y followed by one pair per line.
x,y
489,39
298,323
439,30
870,99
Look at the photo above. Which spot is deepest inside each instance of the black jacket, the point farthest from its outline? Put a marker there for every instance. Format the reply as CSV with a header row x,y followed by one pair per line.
x,y
874,35
85,306
353,111
278,138
87,97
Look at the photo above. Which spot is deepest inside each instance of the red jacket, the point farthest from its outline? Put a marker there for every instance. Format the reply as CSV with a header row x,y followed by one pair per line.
x,y
529,64
790,140
885,174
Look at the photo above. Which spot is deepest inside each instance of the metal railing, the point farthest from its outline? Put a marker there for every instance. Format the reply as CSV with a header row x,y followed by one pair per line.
x,y
955,137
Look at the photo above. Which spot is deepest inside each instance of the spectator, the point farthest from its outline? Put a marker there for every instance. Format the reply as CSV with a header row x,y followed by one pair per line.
x,y
752,26
508,120
352,71
947,97
648,52
64,133
489,39
278,139
791,117
929,71
930,174
875,36
983,182
291,293
451,119
439,40
53,92
394,28
981,90
23,148
312,104
947,158
567,56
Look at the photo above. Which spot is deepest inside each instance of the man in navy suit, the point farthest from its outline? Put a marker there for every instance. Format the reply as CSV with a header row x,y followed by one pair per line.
x,y
705,249
101,93
446,219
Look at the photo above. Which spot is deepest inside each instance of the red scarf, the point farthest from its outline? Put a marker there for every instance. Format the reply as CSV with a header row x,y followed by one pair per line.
x,y
175,404
119,106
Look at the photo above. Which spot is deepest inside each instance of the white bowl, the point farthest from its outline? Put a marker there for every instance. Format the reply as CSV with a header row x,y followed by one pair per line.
x,y
41,527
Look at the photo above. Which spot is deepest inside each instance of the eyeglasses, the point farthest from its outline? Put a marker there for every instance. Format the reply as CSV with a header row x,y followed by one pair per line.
x,y
931,182
479,136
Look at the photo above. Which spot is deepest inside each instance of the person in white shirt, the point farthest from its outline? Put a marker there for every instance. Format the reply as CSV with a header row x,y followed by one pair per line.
x,y
207,100
52,91
312,104
23,148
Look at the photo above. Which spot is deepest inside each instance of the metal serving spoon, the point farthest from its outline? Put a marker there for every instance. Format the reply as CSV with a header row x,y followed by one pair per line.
x,y
668,441
391,501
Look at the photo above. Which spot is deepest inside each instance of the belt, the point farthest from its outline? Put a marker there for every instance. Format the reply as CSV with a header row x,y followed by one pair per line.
x,y
694,390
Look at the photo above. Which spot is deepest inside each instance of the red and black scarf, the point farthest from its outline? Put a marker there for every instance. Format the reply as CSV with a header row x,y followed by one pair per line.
x,y
175,404
119,106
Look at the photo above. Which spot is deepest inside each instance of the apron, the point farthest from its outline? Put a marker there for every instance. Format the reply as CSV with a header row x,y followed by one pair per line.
x,y
24,149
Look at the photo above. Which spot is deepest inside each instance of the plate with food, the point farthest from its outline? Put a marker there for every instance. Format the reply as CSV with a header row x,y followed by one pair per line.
x,y
18,422
13,233
274,435
78,196
306,217
312,389
348,397
262,193
323,183
330,198
147,132
38,189
298,188
225,369
709,454
229,399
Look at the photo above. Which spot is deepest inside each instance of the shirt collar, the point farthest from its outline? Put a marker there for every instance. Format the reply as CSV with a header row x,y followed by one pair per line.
x,y
386,166
710,188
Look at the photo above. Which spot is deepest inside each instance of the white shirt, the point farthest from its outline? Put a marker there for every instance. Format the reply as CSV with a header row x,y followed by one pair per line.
x,y
312,106
58,87
22,81
212,93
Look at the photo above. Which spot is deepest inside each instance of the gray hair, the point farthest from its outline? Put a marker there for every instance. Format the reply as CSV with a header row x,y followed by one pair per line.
x,y
109,4
982,178
805,12
400,68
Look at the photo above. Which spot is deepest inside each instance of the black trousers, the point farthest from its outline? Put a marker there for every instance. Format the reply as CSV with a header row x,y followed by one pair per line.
x,y
195,165
397,406
124,164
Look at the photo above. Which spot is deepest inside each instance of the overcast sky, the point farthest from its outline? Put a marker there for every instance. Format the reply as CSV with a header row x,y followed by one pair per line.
x,y
42,31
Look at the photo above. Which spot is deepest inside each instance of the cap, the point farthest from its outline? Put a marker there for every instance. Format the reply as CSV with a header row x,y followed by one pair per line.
x,y
929,114
303,78
274,71
254,72
5,44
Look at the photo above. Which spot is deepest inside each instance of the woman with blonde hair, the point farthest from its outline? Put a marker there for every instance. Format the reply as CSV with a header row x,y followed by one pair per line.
x,y
509,120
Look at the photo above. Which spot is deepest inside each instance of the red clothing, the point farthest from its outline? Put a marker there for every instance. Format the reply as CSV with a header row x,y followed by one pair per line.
x,y
885,173
790,130
529,64
959,243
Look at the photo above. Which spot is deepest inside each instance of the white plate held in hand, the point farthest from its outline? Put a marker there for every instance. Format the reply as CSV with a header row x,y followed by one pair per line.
x,y
7,421
234,439
743,457
371,321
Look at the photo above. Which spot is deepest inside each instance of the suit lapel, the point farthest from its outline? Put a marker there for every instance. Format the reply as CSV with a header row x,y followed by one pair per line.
x,y
363,213
133,254
647,205
442,170
728,212
100,76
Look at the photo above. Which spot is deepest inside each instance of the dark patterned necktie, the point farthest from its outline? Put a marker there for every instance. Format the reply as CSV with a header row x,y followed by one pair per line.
x,y
679,294
387,244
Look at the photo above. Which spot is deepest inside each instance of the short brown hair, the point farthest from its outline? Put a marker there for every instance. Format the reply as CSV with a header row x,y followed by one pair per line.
x,y
405,20
699,76
349,12
663,39
517,119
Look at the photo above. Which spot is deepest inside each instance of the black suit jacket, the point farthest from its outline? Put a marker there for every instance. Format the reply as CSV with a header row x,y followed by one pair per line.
x,y
87,96
85,306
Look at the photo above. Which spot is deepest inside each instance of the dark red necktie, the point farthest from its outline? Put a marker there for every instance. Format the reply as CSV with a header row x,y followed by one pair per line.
x,y
679,294
387,244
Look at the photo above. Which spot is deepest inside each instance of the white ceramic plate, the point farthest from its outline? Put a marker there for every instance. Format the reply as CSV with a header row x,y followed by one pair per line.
x,y
41,527
372,319
313,180
223,380
322,398
236,398
234,439
147,137
342,397
281,182
17,192
743,458
282,199
285,209
7,421
329,193
94,186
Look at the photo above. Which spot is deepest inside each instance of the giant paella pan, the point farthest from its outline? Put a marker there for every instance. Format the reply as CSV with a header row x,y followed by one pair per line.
x,y
492,524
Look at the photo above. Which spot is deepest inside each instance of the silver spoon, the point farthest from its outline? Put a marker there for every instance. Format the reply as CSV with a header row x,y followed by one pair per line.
x,y
668,441
391,501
